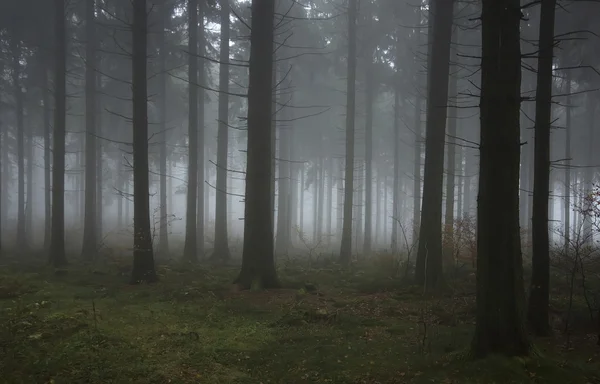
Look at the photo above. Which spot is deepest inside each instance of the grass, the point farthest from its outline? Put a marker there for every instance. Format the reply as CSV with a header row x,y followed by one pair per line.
x,y
327,326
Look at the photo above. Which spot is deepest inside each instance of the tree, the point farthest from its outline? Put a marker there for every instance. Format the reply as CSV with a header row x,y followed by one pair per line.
x,y
163,236
190,249
90,241
429,255
346,244
500,294
57,242
143,257
539,293
221,243
258,263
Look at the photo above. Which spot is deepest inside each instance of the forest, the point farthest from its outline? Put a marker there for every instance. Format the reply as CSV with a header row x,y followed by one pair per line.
x,y
299,191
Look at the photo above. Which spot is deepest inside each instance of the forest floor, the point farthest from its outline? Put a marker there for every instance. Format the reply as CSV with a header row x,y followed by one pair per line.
x,y
87,325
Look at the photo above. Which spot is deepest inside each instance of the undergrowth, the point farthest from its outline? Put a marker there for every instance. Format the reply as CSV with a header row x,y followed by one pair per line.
x,y
327,326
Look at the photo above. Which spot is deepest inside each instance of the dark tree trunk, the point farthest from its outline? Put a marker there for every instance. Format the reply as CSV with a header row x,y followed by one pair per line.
x,y
451,161
301,221
99,163
346,244
29,235
329,199
90,240
190,249
321,198
221,252
539,292
500,294
120,189
567,206
18,95
258,262
379,214
429,256
588,178
282,240
396,179
47,164
370,96
143,257
57,242
202,204
163,231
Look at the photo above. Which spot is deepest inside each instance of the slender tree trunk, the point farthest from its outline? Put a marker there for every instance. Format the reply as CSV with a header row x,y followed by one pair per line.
x,y
346,244
567,207
321,198
396,181
47,164
500,294
588,178
302,174
451,161
258,262
329,199
57,242
221,246
539,292
29,235
282,240
120,189
201,203
418,146
99,162
429,256
143,257
163,231
379,215
18,95
340,200
370,95
90,240
315,205
190,250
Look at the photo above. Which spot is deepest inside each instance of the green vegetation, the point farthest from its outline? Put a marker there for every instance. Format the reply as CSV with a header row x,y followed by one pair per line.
x,y
87,325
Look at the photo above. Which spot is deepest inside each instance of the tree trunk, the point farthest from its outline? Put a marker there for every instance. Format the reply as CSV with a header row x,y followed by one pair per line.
x,y
47,164
370,96
396,178
99,163
120,190
329,199
282,240
190,249
90,240
321,198
143,257
29,235
302,175
429,256
451,160
18,95
500,294
588,178
201,203
346,244
221,251
163,231
539,292
379,214
57,242
567,207
258,262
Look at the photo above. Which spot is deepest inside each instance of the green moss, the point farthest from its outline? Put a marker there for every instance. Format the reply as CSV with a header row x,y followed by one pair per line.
x,y
91,326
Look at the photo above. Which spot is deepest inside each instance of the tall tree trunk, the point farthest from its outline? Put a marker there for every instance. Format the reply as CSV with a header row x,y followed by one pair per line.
x,y
99,163
221,252
18,94
90,240
346,244
500,294
451,159
29,235
429,256
396,178
120,188
379,214
282,240
190,250
143,256
329,199
567,206
302,175
201,203
47,164
321,198
588,178
163,231
315,205
370,96
539,292
258,262
57,242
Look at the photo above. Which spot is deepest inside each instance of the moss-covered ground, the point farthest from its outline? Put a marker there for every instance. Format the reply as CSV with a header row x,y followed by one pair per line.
x,y
328,325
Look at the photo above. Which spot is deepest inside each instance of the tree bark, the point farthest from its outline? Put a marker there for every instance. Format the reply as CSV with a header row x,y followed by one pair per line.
x,y
221,251
143,257
567,206
47,163
163,231
57,242
500,294
201,203
370,95
190,249
90,240
346,244
18,95
539,292
258,262
429,256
